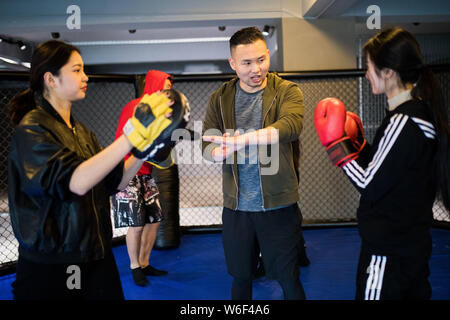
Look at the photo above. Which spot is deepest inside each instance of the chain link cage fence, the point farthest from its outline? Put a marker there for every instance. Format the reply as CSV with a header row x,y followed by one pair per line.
x,y
326,195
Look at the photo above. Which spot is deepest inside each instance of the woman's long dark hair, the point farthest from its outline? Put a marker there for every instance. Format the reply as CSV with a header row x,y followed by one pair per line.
x,y
397,49
50,56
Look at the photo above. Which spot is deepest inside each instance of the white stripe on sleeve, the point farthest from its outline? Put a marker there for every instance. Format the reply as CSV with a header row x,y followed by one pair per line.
x,y
426,127
362,177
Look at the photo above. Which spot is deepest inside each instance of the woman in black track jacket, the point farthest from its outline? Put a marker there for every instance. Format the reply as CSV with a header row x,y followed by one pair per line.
x,y
400,174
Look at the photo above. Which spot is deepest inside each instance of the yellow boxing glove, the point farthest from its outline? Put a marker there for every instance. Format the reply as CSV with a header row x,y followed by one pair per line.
x,y
148,121
158,144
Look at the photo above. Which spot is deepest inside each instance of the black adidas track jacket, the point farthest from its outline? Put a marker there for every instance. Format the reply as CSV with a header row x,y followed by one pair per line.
x,y
396,182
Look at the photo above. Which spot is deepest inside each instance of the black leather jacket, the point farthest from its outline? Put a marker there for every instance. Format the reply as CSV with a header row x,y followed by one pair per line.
x,y
52,224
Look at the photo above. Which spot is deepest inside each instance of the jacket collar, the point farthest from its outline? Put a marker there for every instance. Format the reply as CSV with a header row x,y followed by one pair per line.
x,y
227,104
399,99
45,105
228,94
270,92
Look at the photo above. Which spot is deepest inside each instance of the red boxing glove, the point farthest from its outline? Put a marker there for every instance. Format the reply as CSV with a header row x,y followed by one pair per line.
x,y
354,129
329,119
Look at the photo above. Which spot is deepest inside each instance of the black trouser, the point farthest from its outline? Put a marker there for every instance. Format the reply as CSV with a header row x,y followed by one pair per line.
x,y
278,233
392,277
98,280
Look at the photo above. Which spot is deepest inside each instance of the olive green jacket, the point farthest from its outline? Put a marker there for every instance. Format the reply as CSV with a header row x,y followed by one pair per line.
x,y
283,109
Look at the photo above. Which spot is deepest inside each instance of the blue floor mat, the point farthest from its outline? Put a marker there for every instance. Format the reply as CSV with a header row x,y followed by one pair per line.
x,y
197,269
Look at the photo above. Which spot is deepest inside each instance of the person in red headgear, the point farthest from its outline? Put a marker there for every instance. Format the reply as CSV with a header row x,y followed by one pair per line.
x,y
137,206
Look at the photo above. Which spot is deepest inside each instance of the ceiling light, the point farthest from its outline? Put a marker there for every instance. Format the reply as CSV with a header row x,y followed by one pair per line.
x,y
268,30
21,45
9,60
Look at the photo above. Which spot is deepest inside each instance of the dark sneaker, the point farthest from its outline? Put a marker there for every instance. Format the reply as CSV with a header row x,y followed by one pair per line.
x,y
139,277
150,271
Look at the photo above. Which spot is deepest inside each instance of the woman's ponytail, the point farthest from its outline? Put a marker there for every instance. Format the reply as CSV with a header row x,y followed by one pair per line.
x,y
20,105
427,88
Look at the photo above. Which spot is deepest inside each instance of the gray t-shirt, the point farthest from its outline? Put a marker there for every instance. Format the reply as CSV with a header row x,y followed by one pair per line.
x,y
248,115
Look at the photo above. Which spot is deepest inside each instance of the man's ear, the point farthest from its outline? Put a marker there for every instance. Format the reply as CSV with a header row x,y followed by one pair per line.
x,y
232,63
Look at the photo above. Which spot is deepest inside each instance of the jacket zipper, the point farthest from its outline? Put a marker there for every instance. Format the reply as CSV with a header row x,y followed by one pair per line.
x,y
232,168
259,165
92,194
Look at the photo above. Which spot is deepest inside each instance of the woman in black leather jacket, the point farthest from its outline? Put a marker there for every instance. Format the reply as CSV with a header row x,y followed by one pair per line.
x,y
60,180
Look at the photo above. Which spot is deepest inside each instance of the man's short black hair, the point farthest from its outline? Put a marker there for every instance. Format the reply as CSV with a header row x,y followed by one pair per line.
x,y
246,36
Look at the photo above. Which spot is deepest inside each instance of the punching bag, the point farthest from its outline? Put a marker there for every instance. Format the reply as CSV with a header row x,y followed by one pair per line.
x,y
168,183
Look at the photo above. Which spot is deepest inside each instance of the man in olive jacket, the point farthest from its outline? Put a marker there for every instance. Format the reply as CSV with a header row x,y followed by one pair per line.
x,y
252,125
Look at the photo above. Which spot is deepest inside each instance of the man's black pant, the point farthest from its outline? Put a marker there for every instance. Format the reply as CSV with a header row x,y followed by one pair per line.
x,y
278,233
